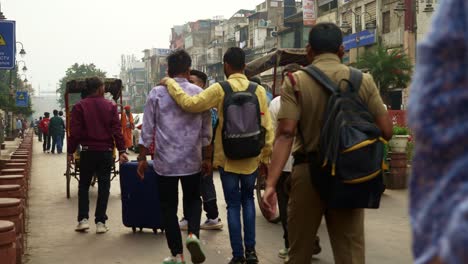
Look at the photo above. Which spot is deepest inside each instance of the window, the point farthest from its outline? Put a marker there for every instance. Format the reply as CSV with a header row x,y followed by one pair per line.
x,y
326,5
386,22
358,19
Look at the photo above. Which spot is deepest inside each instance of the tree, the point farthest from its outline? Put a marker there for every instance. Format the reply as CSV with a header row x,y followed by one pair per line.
x,y
7,95
77,71
391,69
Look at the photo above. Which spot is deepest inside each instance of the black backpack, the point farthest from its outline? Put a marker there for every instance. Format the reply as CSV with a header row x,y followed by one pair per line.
x,y
347,170
243,135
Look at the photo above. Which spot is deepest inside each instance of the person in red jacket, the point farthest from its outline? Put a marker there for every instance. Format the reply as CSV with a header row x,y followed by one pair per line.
x,y
44,127
95,125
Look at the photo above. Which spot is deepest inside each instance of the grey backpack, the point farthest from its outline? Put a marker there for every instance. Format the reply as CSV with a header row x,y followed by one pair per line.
x,y
243,135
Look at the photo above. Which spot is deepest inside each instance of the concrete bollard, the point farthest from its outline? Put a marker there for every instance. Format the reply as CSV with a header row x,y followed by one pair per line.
x,y
14,191
15,180
10,210
7,242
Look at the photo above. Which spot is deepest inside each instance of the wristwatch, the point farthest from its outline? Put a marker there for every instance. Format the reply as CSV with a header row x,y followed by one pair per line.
x,y
140,158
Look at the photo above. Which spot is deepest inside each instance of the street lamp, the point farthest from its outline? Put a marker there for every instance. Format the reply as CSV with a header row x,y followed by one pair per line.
x,y
25,69
346,26
25,78
22,52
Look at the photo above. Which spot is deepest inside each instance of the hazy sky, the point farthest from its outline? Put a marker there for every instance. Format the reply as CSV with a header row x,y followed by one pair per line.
x,y
58,33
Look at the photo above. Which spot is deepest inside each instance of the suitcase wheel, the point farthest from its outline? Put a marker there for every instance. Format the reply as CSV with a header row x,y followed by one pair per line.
x,y
134,229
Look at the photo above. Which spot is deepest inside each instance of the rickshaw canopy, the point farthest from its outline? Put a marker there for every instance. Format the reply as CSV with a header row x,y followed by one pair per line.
x,y
280,57
112,86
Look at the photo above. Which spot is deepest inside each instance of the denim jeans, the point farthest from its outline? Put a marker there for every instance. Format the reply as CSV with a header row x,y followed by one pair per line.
x,y
239,193
169,198
57,140
208,193
92,163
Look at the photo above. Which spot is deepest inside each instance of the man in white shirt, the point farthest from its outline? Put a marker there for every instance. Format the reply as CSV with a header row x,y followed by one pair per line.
x,y
284,183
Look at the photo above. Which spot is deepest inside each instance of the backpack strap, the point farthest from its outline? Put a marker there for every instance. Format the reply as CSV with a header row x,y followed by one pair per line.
x,y
226,87
252,87
355,78
318,75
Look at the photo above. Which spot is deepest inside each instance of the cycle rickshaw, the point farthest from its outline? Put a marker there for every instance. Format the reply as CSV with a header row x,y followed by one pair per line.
x,y
273,60
113,88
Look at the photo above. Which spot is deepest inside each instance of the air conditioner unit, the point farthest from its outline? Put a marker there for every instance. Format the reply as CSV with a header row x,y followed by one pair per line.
x,y
273,34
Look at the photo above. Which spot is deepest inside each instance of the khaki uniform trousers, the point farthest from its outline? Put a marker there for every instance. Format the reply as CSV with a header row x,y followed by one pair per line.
x,y
305,211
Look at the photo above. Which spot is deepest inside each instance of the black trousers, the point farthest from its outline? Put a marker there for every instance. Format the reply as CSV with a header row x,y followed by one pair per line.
x,y
169,199
208,193
282,190
92,163
46,144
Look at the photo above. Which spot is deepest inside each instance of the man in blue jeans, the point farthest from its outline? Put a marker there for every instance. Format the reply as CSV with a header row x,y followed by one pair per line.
x,y
237,176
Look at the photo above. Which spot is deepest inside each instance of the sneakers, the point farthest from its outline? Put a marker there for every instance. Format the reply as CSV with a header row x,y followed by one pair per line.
x,y
212,224
251,257
237,260
183,224
283,253
194,247
179,259
82,226
101,228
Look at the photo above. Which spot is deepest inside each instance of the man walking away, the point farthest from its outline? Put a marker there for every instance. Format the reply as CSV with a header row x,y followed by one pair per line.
x,y
208,190
238,173
284,183
56,128
44,127
39,131
19,128
302,108
65,124
182,149
95,125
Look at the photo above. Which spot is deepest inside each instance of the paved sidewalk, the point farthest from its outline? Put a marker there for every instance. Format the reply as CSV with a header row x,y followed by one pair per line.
x,y
52,219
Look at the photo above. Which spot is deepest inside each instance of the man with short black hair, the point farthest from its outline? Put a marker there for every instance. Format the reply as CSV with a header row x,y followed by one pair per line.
x,y
237,176
208,190
303,104
182,153
44,127
56,128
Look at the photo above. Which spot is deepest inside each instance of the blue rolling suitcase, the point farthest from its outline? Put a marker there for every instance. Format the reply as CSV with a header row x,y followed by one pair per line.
x,y
140,199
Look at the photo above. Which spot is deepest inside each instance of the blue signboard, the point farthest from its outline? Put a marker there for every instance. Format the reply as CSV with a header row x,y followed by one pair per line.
x,y
360,39
22,99
7,44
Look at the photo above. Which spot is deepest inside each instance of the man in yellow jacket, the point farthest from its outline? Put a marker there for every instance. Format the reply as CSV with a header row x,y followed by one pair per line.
x,y
238,176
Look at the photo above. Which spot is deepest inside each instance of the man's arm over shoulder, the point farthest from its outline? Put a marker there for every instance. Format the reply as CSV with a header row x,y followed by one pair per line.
x,y
201,102
266,123
371,96
117,129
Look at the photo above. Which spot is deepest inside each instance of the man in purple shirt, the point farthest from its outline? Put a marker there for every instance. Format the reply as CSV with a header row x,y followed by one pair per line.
x,y
95,125
182,149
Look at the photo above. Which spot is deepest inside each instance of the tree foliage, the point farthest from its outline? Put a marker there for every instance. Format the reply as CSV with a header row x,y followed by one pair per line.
x,y
77,71
7,93
390,68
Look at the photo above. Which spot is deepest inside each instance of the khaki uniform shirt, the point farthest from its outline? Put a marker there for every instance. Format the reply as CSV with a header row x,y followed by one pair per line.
x,y
313,100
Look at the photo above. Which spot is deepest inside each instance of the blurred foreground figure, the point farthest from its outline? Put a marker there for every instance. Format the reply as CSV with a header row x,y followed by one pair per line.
x,y
439,118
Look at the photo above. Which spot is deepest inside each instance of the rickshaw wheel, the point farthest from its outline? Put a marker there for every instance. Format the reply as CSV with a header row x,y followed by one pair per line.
x,y
259,188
